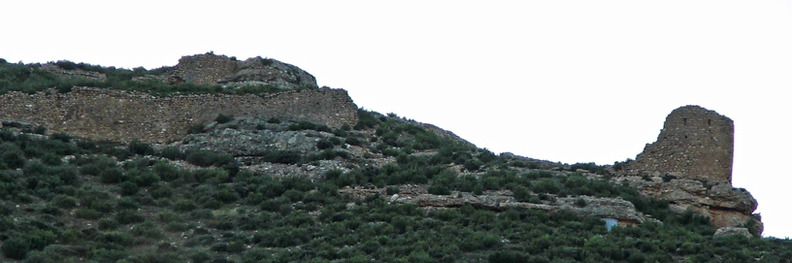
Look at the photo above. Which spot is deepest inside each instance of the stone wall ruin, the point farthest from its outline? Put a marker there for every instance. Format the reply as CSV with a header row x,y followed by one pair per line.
x,y
695,143
690,166
123,116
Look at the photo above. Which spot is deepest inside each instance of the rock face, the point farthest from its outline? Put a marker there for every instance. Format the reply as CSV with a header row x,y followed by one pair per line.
x,y
731,231
690,166
615,208
217,69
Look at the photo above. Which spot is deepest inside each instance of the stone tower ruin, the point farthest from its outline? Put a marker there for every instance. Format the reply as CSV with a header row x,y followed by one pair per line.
x,y
695,143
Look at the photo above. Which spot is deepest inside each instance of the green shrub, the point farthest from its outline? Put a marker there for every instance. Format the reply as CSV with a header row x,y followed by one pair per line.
x,y
439,189
128,217
51,159
196,128
472,165
177,227
509,256
129,188
87,213
172,153
184,205
39,239
146,179
284,157
391,190
166,171
147,229
236,247
15,248
107,224
222,118
64,201
308,126
206,158
111,175
580,202
161,192
140,148
12,157
324,144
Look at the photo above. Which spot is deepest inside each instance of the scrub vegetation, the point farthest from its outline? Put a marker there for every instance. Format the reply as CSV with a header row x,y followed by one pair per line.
x,y
65,199
31,78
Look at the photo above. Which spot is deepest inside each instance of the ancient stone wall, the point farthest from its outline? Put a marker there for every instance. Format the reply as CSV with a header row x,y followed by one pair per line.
x,y
123,116
204,69
695,148
695,143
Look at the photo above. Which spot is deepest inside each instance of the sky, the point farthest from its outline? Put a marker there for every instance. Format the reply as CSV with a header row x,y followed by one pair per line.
x,y
564,80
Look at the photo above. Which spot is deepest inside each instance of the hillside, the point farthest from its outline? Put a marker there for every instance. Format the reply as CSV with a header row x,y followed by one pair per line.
x,y
221,160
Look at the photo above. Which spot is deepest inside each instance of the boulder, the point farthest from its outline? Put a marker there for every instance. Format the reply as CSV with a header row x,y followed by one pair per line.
x,y
731,231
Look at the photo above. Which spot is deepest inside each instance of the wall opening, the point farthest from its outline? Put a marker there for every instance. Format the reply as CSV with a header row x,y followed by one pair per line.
x,y
684,121
709,122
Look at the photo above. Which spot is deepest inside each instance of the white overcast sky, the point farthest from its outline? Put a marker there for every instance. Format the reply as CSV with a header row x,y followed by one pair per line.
x,y
568,81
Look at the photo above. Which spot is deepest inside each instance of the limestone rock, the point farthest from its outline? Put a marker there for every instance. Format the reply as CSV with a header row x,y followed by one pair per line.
x,y
601,207
73,73
266,71
240,137
218,69
730,231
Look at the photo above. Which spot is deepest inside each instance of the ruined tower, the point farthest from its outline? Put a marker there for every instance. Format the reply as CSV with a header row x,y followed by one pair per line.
x,y
695,143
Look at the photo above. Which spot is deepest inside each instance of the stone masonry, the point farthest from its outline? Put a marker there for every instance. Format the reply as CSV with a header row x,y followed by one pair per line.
x,y
123,116
690,166
695,143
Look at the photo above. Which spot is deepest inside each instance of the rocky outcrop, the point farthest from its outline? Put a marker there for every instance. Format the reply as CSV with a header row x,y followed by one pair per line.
x,y
218,69
732,231
601,207
73,72
690,167
248,136
123,116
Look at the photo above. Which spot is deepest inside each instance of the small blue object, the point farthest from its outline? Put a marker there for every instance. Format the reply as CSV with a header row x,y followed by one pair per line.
x,y
610,223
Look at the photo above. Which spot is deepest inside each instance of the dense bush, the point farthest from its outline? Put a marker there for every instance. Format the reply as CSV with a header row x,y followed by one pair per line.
x,y
207,158
15,248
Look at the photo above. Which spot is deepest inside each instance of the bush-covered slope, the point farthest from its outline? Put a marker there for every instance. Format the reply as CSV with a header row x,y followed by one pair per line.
x,y
69,200
65,199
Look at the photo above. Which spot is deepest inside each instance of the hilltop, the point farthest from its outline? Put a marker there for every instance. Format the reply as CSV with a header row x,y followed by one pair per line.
x,y
222,160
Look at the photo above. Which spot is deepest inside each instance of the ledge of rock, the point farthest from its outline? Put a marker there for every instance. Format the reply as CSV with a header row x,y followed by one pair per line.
x,y
615,208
